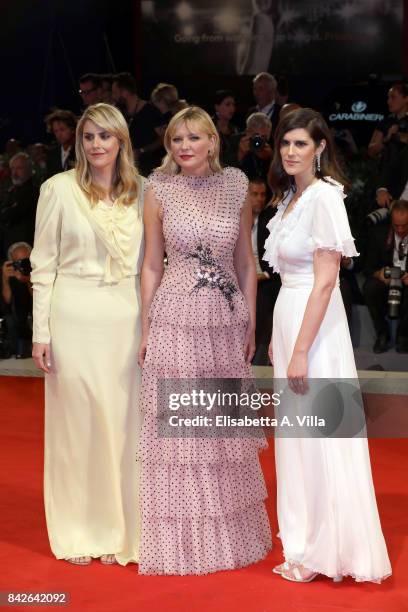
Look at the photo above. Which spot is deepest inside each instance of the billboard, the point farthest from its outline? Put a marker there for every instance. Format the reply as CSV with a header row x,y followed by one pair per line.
x,y
347,38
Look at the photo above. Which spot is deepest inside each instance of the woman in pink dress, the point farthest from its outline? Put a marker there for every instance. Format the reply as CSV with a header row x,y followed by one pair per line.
x,y
202,497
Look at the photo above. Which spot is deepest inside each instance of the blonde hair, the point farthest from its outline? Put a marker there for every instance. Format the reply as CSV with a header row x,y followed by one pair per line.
x,y
166,92
202,120
125,182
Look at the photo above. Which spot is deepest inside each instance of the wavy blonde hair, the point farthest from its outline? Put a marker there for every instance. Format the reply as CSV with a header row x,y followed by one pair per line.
x,y
125,182
197,117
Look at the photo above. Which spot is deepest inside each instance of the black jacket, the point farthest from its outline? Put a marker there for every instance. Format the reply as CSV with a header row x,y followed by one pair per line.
x,y
54,164
251,164
265,216
380,249
394,169
17,216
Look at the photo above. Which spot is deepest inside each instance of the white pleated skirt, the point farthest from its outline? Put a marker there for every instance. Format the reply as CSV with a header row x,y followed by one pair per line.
x,y
327,510
92,419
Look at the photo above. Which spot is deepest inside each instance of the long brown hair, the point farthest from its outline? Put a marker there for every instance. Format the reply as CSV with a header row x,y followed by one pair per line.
x,y
313,122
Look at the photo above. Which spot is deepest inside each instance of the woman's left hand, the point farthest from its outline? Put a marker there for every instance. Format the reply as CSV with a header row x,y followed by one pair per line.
x,y
297,373
249,345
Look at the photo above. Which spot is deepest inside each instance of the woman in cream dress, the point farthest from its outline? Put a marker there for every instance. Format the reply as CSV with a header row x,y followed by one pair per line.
x,y
86,261
327,511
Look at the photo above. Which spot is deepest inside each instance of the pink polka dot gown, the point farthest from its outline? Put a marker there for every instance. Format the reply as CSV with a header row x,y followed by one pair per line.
x,y
202,499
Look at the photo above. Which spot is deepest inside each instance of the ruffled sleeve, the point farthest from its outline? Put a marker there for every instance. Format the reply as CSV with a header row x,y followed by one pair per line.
x,y
272,242
330,228
45,258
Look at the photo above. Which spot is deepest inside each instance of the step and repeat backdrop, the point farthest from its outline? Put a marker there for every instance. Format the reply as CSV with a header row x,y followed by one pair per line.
x,y
347,38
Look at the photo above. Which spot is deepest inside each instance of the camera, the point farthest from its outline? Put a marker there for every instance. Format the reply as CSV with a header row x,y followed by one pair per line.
x,y
394,273
377,216
257,142
23,266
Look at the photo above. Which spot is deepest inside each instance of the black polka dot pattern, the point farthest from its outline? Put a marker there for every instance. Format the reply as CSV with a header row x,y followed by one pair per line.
x,y
202,498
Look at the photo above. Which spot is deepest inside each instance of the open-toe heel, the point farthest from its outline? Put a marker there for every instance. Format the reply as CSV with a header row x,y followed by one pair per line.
x,y
82,560
278,569
108,559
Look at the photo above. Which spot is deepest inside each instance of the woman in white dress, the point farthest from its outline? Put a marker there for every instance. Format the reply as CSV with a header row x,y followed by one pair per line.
x,y
86,262
327,511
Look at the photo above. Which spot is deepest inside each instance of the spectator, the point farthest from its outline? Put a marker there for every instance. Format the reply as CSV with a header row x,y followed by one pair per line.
x,y
145,122
106,82
264,89
287,108
17,212
393,180
17,296
38,155
251,151
90,89
62,124
268,282
396,122
387,248
349,288
224,105
282,91
360,171
165,98
13,147
5,180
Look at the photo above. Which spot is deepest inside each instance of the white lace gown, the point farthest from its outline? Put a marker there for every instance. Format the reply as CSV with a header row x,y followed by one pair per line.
x,y
327,510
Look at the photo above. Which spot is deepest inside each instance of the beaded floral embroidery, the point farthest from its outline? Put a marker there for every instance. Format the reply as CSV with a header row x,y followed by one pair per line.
x,y
210,274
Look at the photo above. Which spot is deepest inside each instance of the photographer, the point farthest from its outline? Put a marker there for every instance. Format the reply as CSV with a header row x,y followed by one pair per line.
x,y
393,180
252,152
398,106
17,296
386,288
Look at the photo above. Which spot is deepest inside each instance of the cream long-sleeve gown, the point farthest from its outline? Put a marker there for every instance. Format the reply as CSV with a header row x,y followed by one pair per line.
x,y
86,263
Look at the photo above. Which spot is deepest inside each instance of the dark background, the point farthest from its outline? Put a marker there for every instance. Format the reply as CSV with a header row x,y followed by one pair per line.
x,y
47,45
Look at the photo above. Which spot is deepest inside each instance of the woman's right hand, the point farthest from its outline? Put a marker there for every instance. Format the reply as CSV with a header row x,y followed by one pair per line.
x,y
142,351
42,356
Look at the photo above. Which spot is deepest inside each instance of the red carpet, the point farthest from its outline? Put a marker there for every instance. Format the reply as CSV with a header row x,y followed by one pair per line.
x,y
27,563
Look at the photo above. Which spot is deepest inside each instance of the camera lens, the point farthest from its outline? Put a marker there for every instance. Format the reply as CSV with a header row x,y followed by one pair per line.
x,y
257,142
